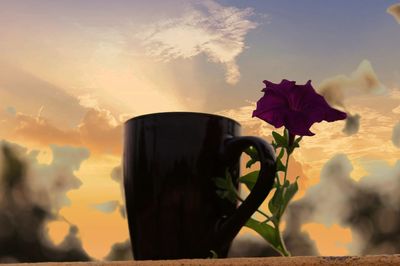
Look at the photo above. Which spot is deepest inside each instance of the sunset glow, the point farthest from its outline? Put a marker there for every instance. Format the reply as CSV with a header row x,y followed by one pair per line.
x,y
72,72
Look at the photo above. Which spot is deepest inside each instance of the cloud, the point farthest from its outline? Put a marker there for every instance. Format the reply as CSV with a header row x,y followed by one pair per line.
x,y
71,240
396,135
107,207
352,124
43,131
363,81
11,110
28,93
324,203
297,240
394,10
329,140
336,90
117,176
88,101
396,110
31,196
369,207
248,245
328,198
205,28
373,210
47,183
50,183
120,252
98,130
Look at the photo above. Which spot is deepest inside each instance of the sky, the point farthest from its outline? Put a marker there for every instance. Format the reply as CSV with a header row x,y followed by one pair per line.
x,y
71,72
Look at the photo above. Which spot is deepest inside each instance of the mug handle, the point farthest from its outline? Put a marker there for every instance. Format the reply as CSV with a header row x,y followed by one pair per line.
x,y
233,147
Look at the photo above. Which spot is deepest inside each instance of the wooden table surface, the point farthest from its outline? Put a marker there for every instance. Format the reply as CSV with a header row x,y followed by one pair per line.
x,y
272,261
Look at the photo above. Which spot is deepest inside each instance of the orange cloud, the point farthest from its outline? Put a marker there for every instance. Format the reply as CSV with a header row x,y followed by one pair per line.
x,y
41,130
26,92
98,131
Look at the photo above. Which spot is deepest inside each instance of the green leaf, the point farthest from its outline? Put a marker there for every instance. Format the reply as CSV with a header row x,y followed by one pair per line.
x,y
221,183
249,179
274,145
298,140
213,254
252,152
289,193
281,153
280,140
286,134
276,182
225,194
267,232
227,190
275,203
280,166
296,144
229,181
250,163
286,184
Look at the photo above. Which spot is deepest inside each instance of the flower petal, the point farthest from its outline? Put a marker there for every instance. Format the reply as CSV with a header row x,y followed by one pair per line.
x,y
275,118
298,123
297,107
270,101
334,115
285,84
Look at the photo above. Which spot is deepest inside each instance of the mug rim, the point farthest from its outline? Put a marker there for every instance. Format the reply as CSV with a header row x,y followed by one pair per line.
x,y
180,112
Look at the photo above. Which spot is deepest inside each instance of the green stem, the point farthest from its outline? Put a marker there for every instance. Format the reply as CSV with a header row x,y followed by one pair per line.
x,y
260,212
283,249
286,165
277,178
266,220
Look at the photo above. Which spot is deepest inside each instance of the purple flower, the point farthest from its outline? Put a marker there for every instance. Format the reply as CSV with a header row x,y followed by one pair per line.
x,y
297,107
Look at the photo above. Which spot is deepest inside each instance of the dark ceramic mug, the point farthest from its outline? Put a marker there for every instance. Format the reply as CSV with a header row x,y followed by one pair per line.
x,y
170,161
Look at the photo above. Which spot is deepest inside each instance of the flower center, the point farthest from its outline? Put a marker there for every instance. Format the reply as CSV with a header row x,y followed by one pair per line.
x,y
296,106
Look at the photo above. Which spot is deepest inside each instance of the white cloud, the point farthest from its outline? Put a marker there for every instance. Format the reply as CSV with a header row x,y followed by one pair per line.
x,y
89,101
363,81
207,27
48,184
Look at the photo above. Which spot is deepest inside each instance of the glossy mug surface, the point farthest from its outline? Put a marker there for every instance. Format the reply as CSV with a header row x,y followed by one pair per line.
x,y
170,161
